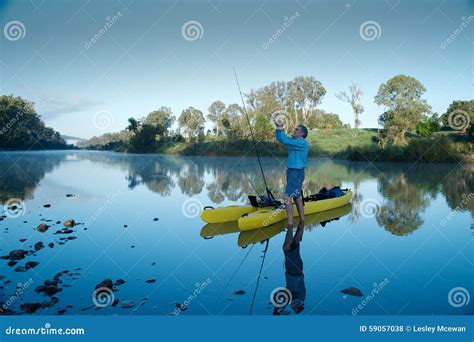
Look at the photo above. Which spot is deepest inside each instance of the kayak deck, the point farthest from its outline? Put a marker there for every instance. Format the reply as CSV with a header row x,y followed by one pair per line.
x,y
268,216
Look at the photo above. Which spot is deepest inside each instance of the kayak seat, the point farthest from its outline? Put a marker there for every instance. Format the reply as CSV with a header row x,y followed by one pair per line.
x,y
263,202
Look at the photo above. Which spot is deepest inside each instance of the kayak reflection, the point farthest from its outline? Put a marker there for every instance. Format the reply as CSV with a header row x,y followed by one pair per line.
x,y
311,221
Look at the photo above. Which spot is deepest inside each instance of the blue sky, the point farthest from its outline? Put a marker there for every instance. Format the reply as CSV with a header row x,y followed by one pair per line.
x,y
143,61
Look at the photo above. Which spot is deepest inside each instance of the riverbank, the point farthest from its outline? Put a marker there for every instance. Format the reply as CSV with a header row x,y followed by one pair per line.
x,y
343,143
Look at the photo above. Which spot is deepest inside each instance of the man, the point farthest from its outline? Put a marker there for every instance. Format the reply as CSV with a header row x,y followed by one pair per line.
x,y
298,149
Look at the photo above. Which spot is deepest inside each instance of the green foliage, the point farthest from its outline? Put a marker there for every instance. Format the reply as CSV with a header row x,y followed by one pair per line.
x,y
401,96
460,116
192,121
160,119
22,128
428,125
262,128
325,121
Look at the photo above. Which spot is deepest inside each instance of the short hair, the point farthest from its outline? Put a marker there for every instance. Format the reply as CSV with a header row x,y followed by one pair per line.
x,y
304,129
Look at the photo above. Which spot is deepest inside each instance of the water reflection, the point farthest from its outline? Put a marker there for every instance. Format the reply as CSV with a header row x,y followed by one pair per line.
x,y
406,189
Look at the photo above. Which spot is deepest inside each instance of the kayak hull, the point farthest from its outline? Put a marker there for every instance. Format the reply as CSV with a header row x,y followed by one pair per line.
x,y
226,214
250,237
268,216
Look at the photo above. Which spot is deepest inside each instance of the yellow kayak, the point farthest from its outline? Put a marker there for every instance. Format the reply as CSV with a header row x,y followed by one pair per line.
x,y
267,216
226,214
222,228
258,235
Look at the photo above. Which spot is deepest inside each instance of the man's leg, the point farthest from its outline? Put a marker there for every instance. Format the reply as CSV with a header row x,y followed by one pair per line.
x,y
289,210
300,208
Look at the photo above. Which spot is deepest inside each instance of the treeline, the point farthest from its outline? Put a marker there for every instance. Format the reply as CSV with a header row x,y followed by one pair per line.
x,y
406,115
294,102
22,128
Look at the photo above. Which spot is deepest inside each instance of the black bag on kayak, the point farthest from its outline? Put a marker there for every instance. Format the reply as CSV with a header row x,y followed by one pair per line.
x,y
325,194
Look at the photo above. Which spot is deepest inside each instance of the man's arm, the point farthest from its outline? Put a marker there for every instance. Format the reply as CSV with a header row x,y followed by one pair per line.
x,y
298,144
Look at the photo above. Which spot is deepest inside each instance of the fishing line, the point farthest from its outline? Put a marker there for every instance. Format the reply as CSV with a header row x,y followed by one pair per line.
x,y
259,274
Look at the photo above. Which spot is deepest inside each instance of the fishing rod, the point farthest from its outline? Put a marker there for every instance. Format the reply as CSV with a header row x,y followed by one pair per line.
x,y
269,193
259,275
248,179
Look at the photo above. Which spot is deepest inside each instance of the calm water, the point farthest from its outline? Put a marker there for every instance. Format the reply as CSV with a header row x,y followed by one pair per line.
x,y
400,242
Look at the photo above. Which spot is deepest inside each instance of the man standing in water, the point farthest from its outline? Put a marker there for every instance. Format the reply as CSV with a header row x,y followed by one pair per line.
x,y
298,149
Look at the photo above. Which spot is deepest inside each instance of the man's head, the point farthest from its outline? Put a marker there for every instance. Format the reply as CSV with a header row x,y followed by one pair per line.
x,y
300,132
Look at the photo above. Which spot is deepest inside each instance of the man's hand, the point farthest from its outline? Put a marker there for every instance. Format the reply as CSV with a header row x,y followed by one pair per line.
x,y
278,124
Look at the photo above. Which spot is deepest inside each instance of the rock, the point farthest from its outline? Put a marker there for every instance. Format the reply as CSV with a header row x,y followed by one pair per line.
x,y
239,292
17,254
48,290
128,304
119,282
71,238
69,223
31,264
47,206
153,263
23,240
132,246
42,228
156,219
51,245
105,283
61,311
30,307
149,281
115,302
38,246
352,291
69,195
181,307
20,269
11,263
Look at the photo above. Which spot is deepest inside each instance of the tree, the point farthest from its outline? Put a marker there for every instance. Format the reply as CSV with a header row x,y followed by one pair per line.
x,y
324,121
262,128
460,116
161,119
234,122
401,96
192,120
304,94
133,125
216,115
354,99
22,128
428,125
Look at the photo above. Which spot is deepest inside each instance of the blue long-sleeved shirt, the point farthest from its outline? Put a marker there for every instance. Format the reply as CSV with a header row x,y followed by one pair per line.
x,y
297,150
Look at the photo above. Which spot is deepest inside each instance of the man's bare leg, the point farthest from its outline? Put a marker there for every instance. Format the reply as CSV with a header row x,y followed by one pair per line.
x,y
289,210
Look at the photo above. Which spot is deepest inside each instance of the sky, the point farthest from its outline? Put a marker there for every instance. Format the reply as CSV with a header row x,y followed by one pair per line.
x,y
150,54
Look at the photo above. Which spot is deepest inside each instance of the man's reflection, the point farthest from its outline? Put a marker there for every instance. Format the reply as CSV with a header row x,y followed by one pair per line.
x,y
293,273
